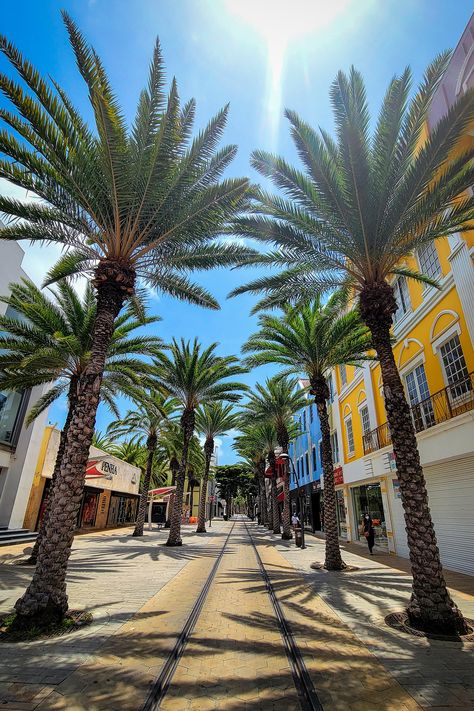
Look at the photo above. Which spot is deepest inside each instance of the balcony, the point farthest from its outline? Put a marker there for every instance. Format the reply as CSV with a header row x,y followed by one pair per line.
x,y
453,400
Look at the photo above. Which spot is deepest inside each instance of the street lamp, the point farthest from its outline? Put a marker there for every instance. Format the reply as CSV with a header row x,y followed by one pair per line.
x,y
287,457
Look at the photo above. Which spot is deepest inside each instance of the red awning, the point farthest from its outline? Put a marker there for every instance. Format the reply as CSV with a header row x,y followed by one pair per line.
x,y
281,497
162,491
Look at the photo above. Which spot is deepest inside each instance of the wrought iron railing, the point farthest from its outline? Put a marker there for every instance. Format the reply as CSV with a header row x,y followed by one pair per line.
x,y
447,403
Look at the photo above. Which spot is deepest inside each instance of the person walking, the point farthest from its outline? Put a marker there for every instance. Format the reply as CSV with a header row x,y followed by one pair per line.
x,y
369,532
295,522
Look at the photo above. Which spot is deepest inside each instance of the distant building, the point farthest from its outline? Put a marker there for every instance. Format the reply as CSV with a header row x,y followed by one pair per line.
x,y
19,445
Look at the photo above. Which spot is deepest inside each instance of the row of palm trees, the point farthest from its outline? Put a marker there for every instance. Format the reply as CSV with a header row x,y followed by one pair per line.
x,y
148,204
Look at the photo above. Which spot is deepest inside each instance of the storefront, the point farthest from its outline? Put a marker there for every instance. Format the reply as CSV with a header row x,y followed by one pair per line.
x,y
341,514
367,498
110,496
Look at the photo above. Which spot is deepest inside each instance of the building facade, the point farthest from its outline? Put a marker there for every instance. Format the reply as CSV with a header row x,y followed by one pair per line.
x,y
19,445
434,336
110,497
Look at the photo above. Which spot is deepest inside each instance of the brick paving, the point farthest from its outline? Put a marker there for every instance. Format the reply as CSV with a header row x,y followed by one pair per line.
x,y
438,675
141,593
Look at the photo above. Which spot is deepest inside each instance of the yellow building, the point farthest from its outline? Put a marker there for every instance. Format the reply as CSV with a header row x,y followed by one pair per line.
x,y
434,334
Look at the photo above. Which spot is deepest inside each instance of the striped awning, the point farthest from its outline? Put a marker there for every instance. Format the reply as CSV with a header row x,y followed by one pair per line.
x,y
163,491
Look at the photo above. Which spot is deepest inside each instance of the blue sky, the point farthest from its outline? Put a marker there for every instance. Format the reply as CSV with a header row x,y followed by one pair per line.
x,y
252,54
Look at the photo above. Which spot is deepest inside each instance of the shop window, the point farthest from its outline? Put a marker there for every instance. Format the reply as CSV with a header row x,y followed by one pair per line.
x,y
368,500
349,435
10,414
429,261
304,420
321,451
365,419
457,374
402,297
306,456
334,447
315,462
343,373
89,509
311,414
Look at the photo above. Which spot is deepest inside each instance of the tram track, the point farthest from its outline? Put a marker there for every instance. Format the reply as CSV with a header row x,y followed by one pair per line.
x,y
305,690
304,686
163,680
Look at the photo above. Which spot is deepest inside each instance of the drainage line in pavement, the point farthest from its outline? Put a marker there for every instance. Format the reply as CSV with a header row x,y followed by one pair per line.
x,y
304,686
163,681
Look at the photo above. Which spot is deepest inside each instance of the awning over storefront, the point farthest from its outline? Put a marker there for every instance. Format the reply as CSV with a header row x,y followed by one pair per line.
x,y
163,491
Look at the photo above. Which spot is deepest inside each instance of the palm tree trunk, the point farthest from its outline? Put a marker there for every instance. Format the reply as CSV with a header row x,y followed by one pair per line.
x,y
171,501
151,446
275,512
187,425
208,450
263,493
45,599
431,607
286,534
333,559
32,560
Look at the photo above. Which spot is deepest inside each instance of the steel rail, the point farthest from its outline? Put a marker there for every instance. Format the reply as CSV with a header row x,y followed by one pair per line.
x,y
163,680
304,686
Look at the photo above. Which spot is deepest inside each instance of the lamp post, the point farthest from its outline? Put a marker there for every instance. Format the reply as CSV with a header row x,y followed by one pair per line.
x,y
286,456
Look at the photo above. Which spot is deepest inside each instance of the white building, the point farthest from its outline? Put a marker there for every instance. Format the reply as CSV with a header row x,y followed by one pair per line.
x,y
19,445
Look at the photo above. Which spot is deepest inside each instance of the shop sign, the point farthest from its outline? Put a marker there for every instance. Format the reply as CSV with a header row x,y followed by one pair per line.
x,y
101,468
396,489
338,476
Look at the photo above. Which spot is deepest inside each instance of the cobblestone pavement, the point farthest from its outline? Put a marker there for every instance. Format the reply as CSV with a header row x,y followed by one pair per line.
x,y
111,574
141,593
438,675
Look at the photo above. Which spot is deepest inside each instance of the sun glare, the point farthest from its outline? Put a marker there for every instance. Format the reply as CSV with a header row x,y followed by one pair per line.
x,y
280,23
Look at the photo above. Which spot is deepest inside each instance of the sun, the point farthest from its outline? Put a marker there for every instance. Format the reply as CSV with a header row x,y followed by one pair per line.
x,y
280,23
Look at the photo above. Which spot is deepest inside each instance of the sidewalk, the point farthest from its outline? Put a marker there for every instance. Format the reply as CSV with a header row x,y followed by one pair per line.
x,y
438,675
111,574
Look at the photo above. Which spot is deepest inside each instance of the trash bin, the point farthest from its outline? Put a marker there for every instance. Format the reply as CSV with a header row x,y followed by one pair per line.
x,y
298,537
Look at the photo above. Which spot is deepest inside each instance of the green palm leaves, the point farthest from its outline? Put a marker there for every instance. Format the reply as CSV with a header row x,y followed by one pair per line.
x,y
47,338
148,199
310,338
363,202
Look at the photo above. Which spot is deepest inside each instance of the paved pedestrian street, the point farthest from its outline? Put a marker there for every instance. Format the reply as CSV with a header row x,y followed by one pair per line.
x,y
141,593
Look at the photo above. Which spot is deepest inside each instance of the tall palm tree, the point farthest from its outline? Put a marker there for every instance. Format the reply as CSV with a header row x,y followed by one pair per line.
x,y
212,420
261,435
249,447
143,202
362,206
313,339
194,376
278,400
48,341
145,423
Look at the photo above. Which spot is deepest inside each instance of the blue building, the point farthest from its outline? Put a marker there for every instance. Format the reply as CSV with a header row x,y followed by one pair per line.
x,y
305,451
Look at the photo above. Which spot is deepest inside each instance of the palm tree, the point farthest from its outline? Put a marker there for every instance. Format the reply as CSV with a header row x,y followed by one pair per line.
x,y
48,342
212,419
261,435
194,376
363,205
145,424
313,339
250,449
278,400
143,202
